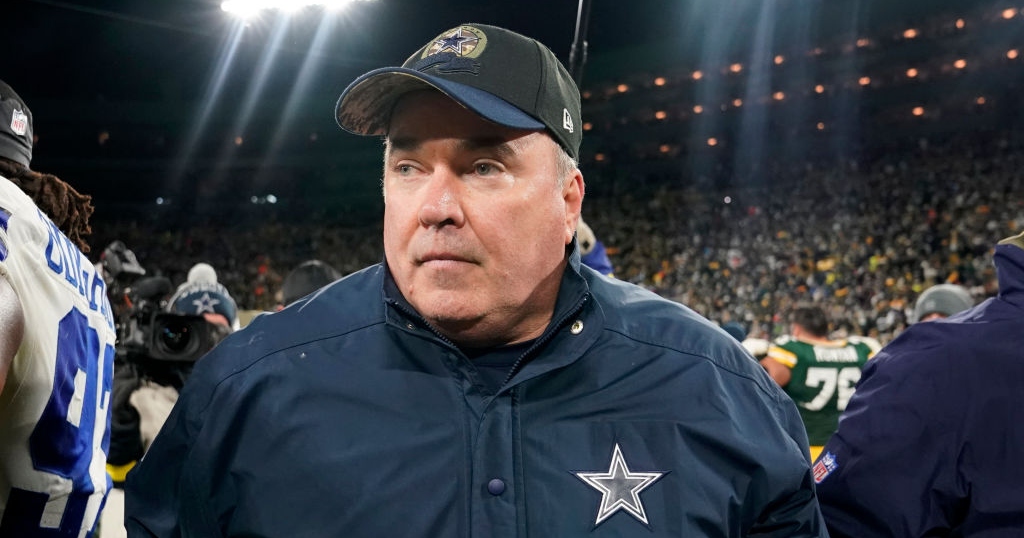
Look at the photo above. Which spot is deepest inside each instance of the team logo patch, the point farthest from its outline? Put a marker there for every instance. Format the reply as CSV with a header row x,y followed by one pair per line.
x,y
620,488
19,122
824,466
464,41
205,303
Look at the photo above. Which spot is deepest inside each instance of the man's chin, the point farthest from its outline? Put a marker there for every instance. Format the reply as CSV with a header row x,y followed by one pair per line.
x,y
449,304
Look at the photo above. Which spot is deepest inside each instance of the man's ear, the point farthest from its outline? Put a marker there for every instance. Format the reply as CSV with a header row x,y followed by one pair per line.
x,y
573,193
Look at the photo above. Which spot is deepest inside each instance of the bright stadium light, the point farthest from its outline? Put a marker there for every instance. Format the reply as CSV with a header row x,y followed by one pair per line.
x,y
248,8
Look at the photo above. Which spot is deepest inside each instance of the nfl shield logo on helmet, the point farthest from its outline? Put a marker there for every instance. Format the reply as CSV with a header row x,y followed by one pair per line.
x,y
19,122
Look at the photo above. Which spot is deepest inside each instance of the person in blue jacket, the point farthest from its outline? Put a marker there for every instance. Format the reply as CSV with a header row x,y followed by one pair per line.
x,y
932,440
593,254
480,382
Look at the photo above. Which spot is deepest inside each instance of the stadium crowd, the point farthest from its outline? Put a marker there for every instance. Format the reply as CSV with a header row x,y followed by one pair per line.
x,y
862,238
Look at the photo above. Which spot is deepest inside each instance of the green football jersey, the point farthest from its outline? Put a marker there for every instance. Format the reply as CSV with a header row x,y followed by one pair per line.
x,y
823,379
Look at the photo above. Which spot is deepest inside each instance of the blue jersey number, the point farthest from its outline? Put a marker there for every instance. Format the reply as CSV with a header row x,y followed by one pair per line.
x,y
62,442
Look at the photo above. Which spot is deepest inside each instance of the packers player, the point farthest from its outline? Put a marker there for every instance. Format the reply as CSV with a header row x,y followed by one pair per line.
x,y
817,372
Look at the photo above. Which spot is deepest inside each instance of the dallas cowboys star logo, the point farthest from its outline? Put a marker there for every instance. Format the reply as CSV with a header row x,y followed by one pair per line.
x,y
620,488
205,303
454,42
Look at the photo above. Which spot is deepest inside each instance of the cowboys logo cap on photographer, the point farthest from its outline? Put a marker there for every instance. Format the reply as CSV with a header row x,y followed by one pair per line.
x,y
202,295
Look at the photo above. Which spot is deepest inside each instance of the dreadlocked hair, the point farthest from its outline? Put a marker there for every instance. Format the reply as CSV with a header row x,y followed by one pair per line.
x,y
65,206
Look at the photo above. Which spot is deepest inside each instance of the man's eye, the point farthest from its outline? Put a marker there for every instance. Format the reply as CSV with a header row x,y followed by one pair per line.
x,y
403,169
484,169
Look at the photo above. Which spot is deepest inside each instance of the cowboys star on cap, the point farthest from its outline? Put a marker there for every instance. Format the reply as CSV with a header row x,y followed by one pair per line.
x,y
205,303
455,41
620,488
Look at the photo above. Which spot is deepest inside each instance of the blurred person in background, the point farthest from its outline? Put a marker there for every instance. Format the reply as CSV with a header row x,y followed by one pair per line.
x,y
931,443
57,342
941,301
735,330
306,278
161,340
161,337
593,252
819,373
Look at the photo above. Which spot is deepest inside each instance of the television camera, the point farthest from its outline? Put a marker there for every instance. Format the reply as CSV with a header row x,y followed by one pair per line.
x,y
146,331
163,345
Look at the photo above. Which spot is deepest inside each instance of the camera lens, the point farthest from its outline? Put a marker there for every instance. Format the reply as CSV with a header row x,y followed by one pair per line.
x,y
176,336
180,337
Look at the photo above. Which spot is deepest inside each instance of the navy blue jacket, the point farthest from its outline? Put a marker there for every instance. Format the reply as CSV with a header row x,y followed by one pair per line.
x,y
346,415
932,442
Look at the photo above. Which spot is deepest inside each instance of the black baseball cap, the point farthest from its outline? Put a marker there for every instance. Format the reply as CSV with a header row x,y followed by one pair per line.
x,y
15,127
505,77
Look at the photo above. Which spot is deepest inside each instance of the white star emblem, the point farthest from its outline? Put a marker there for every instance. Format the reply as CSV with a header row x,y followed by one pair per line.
x,y
620,489
205,303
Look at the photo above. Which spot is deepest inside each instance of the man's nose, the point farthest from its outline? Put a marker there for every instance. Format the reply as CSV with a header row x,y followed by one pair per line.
x,y
441,203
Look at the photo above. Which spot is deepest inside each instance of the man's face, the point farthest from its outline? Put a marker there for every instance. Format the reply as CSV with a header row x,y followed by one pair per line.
x,y
476,220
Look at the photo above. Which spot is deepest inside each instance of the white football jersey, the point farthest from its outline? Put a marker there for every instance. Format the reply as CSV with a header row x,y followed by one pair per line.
x,y
55,405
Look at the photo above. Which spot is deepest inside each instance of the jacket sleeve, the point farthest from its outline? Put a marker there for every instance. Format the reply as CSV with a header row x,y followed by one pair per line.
x,y
794,513
890,469
160,498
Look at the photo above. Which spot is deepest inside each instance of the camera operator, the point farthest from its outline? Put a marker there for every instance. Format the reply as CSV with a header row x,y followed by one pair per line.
x,y
159,341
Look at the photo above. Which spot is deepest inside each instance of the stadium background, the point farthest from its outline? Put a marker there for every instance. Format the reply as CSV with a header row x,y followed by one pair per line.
x,y
740,155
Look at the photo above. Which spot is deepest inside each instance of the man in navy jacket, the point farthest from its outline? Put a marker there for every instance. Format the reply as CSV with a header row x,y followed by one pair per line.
x,y
481,381
932,441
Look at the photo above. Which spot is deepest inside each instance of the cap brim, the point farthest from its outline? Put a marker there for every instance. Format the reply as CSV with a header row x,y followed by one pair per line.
x,y
365,106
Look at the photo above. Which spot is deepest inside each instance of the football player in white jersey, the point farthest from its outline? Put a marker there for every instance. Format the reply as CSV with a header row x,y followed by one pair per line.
x,y
56,347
